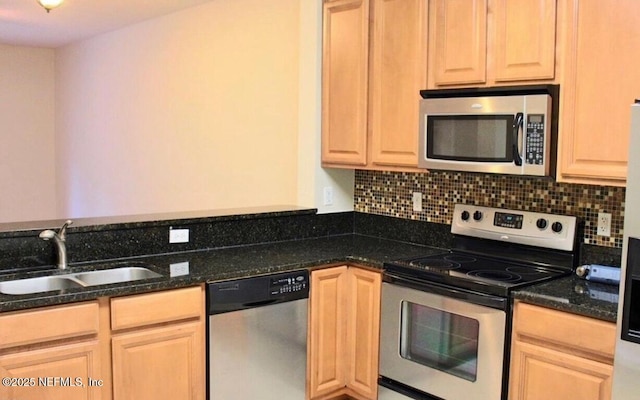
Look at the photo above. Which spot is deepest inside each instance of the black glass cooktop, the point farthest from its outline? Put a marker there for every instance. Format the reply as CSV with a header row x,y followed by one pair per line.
x,y
480,273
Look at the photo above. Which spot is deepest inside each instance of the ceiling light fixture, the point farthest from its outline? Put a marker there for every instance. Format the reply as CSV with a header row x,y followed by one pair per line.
x,y
50,4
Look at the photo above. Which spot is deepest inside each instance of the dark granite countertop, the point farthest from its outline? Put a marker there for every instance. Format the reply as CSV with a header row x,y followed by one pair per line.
x,y
569,294
9,229
225,263
575,295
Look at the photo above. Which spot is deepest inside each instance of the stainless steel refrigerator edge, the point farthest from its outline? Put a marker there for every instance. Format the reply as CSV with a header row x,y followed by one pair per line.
x,y
626,368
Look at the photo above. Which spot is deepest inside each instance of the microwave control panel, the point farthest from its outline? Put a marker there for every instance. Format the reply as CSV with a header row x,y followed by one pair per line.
x,y
535,139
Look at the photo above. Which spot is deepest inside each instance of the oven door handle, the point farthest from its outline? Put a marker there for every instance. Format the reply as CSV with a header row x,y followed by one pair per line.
x,y
404,390
482,299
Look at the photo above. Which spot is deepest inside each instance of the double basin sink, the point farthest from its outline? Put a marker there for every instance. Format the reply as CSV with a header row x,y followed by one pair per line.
x,y
76,280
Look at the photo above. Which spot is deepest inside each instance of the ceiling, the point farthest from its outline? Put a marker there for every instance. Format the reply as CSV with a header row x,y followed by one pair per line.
x,y
26,23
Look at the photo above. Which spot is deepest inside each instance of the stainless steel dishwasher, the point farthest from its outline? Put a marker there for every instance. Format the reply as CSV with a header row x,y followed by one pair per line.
x,y
257,337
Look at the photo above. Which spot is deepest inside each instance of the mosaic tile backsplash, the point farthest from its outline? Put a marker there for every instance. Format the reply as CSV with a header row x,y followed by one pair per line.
x,y
390,193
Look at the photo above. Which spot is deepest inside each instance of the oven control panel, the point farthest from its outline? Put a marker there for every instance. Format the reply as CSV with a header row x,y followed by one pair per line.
x,y
552,231
508,220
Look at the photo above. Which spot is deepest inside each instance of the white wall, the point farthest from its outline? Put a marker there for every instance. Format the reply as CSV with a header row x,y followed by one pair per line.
x,y
195,110
27,168
217,106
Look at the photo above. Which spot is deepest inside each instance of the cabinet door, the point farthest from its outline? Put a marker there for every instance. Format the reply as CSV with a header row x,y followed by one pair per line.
x,y
327,331
599,86
363,332
398,72
541,373
457,42
59,373
524,39
160,363
344,82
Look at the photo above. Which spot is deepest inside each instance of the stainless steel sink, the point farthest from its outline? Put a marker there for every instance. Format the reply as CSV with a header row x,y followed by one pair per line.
x,y
37,285
115,275
76,280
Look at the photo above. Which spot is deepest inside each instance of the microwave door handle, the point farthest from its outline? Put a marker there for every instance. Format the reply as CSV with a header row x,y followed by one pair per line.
x,y
517,128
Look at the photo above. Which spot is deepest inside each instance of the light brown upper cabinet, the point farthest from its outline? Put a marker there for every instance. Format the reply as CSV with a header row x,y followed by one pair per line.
x,y
374,65
398,73
491,42
600,83
344,81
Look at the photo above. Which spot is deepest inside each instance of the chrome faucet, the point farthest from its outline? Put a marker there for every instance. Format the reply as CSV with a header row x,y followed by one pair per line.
x,y
59,238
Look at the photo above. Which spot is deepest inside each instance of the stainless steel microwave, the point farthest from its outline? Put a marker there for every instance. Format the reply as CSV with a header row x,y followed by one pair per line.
x,y
503,130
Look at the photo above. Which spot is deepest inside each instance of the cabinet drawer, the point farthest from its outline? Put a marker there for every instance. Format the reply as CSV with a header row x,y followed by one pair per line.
x,y
155,308
582,334
47,324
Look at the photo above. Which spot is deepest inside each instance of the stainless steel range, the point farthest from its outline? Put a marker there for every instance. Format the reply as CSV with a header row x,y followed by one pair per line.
x,y
446,318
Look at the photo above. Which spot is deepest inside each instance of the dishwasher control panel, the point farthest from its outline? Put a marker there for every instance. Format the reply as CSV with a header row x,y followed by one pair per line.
x,y
289,283
257,291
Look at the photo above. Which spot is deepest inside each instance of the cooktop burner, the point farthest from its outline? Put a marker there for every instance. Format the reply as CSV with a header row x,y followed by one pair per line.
x,y
457,258
434,265
502,276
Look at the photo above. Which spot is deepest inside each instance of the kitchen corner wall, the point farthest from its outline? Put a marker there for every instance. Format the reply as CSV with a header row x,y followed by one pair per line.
x,y
390,194
312,178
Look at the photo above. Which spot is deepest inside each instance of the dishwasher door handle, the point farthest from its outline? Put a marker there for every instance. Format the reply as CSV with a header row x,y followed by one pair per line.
x,y
259,303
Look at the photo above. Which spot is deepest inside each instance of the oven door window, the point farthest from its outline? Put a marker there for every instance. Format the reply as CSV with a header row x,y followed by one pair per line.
x,y
478,138
438,339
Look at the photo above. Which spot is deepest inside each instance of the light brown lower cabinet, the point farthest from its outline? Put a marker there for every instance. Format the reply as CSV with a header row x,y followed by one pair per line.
x,y
59,372
145,363
147,346
158,349
344,328
559,355
50,353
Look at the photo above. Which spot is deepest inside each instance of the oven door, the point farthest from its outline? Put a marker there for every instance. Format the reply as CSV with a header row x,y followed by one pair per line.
x,y
440,345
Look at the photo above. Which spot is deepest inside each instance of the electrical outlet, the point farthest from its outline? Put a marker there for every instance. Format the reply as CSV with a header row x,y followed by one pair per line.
x,y
178,235
604,224
417,201
328,196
